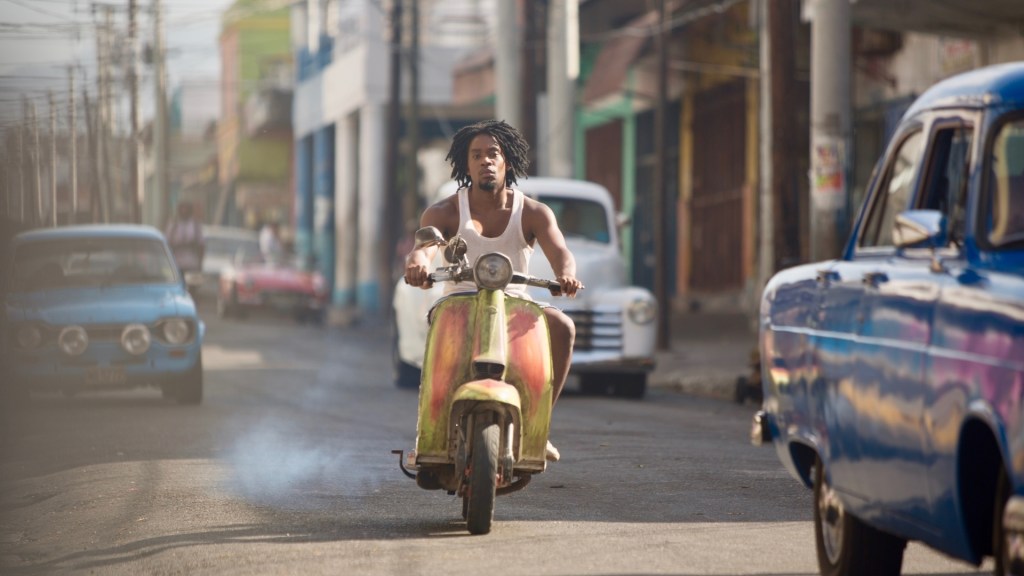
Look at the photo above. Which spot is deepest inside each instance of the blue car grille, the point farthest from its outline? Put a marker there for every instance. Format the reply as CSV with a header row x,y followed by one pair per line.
x,y
597,329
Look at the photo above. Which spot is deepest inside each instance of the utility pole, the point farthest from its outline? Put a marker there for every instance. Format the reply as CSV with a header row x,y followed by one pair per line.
x,y
53,159
531,50
563,69
160,180
73,121
39,216
393,222
507,66
830,124
660,208
99,204
134,145
23,196
98,123
412,166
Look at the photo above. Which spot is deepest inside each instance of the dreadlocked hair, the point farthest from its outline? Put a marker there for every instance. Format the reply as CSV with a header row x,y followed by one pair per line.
x,y
513,146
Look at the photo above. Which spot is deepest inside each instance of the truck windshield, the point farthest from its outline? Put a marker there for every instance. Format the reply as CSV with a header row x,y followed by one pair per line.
x,y
579,218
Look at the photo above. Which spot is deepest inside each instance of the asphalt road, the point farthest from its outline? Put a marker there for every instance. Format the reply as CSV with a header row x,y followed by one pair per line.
x,y
286,468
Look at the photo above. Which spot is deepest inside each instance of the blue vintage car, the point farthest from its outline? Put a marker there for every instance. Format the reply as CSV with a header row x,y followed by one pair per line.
x,y
894,375
99,307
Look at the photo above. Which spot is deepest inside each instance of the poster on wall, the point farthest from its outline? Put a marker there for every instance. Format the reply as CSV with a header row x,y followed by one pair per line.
x,y
828,175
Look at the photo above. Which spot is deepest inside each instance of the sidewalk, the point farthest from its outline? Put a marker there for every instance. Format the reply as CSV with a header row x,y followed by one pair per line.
x,y
708,351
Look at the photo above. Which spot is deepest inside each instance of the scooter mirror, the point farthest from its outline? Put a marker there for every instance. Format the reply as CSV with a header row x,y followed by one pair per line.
x,y
428,236
455,250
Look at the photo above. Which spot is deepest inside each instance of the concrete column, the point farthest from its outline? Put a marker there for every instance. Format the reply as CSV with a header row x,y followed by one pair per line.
x,y
830,125
323,202
304,198
563,70
346,205
371,208
507,64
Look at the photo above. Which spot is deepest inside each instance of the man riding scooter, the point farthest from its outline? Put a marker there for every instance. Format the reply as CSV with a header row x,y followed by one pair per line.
x,y
494,216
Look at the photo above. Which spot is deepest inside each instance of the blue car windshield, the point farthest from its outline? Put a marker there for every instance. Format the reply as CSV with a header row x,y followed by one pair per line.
x,y
83,262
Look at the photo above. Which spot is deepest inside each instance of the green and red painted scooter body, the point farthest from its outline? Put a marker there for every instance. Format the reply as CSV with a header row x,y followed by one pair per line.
x,y
486,352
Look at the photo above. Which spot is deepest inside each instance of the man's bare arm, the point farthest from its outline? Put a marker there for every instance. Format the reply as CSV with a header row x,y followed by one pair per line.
x,y
417,262
544,227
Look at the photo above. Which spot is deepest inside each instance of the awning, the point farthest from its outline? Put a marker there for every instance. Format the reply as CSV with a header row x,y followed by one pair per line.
x,y
616,56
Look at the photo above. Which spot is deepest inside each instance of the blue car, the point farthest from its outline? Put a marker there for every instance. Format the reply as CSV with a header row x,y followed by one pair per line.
x,y
893,376
99,307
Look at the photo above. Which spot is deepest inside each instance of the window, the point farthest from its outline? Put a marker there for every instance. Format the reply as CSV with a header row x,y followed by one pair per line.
x,y
894,193
946,184
579,218
1005,205
81,262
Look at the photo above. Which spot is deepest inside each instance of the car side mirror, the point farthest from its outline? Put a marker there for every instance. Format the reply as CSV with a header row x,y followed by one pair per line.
x,y
428,236
622,219
914,227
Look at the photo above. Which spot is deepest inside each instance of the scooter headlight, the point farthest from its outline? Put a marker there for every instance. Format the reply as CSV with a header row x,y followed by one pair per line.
x,y
73,340
135,339
493,271
642,311
176,331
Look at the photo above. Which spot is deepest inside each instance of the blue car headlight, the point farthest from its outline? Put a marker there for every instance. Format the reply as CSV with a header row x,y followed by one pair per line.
x,y
176,331
135,339
73,340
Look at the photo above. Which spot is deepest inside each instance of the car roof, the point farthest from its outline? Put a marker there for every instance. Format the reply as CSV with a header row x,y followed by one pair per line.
x,y
90,231
230,232
998,85
547,186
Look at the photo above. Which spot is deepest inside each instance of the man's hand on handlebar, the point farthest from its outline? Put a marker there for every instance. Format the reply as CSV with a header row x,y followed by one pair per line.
x,y
417,272
570,285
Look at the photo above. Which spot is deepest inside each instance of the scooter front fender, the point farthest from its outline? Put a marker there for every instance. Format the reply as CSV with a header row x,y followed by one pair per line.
x,y
488,391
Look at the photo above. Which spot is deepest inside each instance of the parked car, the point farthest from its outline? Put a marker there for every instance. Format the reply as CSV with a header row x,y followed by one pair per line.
x,y
615,322
894,374
223,244
99,307
278,284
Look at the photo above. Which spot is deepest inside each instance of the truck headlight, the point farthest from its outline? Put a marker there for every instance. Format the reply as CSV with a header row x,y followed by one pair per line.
x,y
29,336
492,271
176,331
642,310
73,340
135,339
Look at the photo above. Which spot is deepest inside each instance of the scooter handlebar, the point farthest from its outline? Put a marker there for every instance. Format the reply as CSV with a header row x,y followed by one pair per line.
x,y
449,276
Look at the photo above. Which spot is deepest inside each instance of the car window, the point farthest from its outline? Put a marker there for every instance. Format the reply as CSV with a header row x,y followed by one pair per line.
x,y
1005,205
894,195
228,247
579,218
71,263
945,187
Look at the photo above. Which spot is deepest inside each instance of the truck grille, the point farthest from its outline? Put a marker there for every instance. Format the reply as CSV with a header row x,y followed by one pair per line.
x,y
597,329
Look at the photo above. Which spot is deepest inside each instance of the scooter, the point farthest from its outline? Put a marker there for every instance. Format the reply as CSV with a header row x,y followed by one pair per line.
x,y
486,385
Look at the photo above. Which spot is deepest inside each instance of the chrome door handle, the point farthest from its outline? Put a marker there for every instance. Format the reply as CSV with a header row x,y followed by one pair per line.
x,y
875,278
826,276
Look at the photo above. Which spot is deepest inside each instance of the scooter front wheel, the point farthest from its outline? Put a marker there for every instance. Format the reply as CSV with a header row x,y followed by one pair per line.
x,y
483,478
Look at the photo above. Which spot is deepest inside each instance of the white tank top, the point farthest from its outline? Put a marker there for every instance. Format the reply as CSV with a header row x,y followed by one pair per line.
x,y
511,243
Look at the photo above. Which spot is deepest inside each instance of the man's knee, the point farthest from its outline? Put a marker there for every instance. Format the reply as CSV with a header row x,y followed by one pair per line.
x,y
561,326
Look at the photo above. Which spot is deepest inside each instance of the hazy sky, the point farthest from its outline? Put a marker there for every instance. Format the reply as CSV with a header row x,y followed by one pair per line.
x,y
40,39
